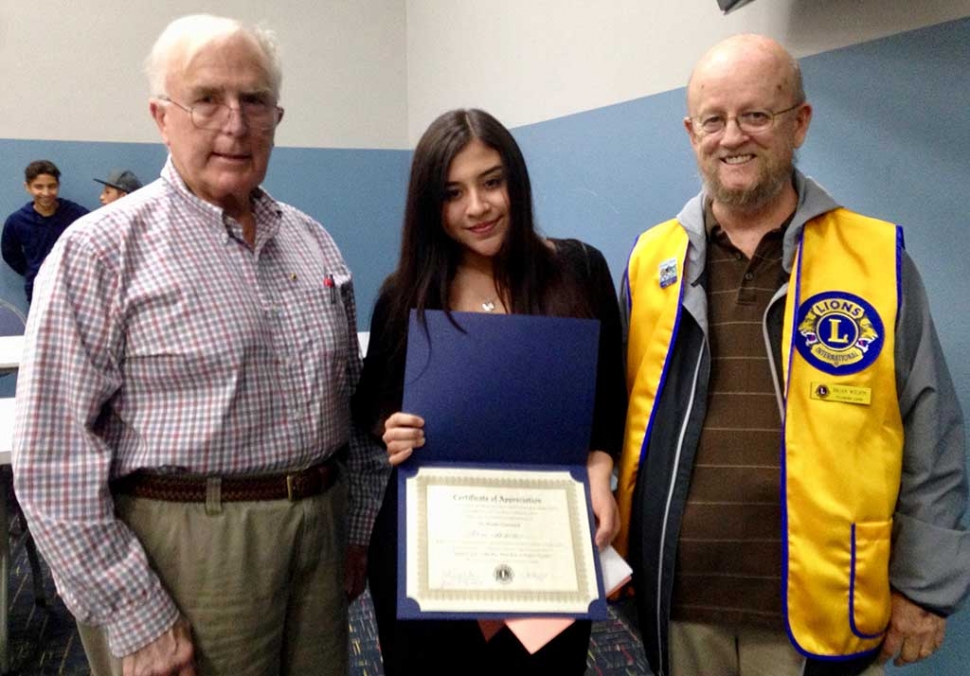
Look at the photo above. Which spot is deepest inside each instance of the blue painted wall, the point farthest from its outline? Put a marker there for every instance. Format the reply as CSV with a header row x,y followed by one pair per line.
x,y
79,163
357,194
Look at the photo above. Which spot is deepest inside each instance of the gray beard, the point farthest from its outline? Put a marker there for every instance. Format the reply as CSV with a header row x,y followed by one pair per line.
x,y
752,199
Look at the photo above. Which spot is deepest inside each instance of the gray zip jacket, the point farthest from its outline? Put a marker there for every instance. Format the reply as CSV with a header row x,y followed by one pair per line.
x,y
930,561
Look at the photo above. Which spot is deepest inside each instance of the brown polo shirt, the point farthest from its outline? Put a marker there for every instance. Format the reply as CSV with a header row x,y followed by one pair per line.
x,y
729,551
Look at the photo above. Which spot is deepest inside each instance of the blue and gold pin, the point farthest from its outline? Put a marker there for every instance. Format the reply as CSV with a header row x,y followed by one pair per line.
x,y
668,272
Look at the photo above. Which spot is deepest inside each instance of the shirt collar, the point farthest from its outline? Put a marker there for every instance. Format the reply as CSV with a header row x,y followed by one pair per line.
x,y
266,210
715,231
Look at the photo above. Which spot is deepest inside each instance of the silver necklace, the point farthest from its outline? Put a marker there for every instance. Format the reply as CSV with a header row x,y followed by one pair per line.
x,y
488,304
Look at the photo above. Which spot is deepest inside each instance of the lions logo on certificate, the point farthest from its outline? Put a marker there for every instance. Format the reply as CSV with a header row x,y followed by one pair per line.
x,y
503,573
839,333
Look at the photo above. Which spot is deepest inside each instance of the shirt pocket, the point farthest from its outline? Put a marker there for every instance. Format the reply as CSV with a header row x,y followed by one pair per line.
x,y
323,342
175,346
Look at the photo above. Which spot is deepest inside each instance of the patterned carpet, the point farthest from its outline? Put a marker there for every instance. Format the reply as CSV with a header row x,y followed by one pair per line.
x,y
43,641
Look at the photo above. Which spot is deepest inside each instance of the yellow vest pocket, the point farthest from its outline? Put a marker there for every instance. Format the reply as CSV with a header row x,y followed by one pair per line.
x,y
869,603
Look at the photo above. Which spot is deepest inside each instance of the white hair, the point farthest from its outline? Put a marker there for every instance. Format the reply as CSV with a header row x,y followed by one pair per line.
x,y
184,37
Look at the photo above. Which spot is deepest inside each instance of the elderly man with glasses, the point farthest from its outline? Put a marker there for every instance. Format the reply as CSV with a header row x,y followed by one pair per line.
x,y
185,453
793,473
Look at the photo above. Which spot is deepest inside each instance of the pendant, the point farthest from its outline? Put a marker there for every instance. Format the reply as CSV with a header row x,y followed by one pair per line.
x,y
489,306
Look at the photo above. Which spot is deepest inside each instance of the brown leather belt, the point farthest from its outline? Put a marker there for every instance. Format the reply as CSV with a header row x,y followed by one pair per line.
x,y
194,487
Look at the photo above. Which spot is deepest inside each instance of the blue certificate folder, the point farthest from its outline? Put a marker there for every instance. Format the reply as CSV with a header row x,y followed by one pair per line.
x,y
499,391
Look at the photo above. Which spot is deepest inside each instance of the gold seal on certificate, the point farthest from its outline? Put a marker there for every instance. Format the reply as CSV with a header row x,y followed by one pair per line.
x,y
498,541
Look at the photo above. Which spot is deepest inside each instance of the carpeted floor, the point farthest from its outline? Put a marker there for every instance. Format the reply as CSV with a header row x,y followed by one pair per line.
x,y
43,641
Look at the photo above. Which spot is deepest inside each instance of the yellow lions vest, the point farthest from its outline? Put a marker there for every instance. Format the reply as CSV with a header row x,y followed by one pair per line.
x,y
843,436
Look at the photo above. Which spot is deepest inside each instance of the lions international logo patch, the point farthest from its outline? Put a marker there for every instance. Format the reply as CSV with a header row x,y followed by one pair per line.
x,y
839,333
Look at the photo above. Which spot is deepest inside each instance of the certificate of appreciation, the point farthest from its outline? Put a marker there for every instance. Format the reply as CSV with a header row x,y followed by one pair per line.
x,y
493,515
484,541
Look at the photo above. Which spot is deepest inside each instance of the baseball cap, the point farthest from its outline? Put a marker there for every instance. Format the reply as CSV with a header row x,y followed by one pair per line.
x,y
122,179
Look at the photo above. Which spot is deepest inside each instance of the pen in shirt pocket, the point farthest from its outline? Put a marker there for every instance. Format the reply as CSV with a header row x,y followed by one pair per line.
x,y
328,282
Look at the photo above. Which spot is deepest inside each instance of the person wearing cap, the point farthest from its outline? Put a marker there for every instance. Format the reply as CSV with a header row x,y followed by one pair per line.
x,y
119,183
184,449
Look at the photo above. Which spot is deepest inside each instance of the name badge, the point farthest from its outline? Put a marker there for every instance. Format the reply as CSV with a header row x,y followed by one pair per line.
x,y
845,394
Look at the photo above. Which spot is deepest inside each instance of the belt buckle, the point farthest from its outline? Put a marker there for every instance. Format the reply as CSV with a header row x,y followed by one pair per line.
x,y
289,487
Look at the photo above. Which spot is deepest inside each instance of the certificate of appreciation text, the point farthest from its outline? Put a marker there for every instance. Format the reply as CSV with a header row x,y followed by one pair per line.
x,y
498,541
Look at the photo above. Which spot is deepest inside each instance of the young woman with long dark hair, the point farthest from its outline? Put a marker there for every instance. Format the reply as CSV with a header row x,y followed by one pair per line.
x,y
470,244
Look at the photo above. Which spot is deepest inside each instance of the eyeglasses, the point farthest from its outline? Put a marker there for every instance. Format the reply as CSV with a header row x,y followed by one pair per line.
x,y
750,121
257,114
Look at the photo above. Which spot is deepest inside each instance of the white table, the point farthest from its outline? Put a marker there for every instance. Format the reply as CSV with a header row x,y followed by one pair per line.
x,y
11,350
6,429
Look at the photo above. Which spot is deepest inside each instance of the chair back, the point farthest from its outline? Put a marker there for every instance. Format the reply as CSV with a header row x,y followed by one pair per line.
x,y
12,320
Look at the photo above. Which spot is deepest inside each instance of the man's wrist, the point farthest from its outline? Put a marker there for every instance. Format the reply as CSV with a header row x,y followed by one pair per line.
x,y
137,625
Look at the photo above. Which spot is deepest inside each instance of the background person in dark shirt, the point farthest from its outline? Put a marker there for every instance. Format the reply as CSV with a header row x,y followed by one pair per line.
x,y
30,232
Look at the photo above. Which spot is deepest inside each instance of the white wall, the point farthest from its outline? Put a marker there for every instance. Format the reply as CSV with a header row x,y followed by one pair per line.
x,y
374,73
73,70
527,61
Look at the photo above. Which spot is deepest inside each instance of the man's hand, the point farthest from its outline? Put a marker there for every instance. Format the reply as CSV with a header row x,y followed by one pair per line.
x,y
914,633
171,654
355,571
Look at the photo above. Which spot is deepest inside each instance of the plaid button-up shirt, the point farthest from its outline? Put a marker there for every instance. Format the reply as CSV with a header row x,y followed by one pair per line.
x,y
160,340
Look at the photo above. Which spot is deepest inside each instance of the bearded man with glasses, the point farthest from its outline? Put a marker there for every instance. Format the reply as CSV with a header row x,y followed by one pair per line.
x,y
793,473
185,453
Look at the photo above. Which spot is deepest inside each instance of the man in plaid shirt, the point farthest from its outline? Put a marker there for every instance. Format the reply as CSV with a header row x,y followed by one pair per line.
x,y
184,451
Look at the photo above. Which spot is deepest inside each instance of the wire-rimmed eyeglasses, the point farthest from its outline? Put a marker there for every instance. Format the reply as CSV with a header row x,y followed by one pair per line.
x,y
256,114
750,121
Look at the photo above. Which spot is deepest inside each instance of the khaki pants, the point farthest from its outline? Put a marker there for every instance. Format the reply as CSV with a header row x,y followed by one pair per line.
x,y
716,650
261,583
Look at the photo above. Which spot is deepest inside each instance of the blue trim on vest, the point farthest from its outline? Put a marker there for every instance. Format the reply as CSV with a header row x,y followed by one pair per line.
x,y
900,247
666,368
783,464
